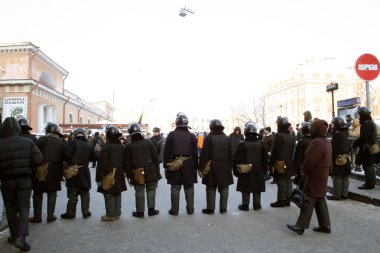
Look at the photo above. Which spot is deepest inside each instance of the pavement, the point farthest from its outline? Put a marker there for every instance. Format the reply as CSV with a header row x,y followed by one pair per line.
x,y
366,196
355,227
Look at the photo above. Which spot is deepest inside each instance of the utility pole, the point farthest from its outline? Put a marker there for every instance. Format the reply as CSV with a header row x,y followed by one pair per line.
x,y
331,88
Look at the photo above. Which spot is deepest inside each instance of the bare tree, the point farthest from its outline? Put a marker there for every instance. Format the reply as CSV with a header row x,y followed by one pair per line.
x,y
252,111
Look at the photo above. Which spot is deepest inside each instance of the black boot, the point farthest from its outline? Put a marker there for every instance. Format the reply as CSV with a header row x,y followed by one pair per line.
x,y
67,216
138,214
279,203
22,244
296,229
208,211
152,211
243,207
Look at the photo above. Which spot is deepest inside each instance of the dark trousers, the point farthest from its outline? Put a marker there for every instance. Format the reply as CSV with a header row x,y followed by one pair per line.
x,y
72,195
256,197
37,203
150,195
189,196
113,204
16,195
211,196
340,185
370,176
284,188
321,210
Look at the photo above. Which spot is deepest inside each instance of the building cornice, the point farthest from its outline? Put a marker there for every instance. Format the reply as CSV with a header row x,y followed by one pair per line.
x,y
73,100
29,47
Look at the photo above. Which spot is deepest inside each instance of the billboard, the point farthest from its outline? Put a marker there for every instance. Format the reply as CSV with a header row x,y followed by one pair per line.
x,y
15,107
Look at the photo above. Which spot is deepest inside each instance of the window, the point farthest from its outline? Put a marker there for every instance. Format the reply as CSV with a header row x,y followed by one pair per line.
x,y
80,120
71,118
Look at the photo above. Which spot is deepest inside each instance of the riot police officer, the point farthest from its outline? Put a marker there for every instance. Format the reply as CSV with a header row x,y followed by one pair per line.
x,y
54,150
281,161
142,168
367,138
81,153
158,142
341,162
111,162
301,147
216,151
251,151
25,128
181,144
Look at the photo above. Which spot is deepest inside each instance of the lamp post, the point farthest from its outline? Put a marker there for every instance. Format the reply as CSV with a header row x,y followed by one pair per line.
x,y
331,88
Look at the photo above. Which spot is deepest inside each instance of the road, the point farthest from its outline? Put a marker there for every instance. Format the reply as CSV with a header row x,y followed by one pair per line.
x,y
355,228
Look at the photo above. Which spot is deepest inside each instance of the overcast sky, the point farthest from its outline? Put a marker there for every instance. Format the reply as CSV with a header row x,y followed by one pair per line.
x,y
225,53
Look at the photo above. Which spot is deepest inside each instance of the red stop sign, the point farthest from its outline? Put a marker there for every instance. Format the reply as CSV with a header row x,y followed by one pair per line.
x,y
367,67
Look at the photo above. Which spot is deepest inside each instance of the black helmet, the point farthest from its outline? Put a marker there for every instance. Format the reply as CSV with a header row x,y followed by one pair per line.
x,y
305,128
112,132
134,128
181,120
24,124
216,124
338,122
156,129
52,128
363,111
79,131
282,123
250,129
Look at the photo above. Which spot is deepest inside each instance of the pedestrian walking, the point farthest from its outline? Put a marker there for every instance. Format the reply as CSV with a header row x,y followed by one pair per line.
x,y
217,156
317,164
142,166
251,152
111,166
81,153
54,150
15,175
181,164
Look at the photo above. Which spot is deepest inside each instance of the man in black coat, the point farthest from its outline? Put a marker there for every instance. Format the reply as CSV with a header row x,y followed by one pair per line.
x,y
81,153
17,157
181,143
158,142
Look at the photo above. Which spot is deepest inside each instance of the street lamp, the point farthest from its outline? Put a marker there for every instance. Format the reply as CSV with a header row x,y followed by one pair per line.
x,y
331,88
183,12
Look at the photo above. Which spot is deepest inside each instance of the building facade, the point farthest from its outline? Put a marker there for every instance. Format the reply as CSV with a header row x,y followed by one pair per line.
x,y
33,85
304,89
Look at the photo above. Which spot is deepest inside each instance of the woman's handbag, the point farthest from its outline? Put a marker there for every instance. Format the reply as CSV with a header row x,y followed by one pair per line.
x,y
244,168
299,197
71,171
109,180
42,172
139,175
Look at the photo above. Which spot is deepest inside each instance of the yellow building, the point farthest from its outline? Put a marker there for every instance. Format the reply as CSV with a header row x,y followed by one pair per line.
x,y
304,89
33,85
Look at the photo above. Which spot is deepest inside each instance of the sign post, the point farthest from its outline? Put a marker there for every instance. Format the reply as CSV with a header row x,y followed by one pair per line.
x,y
367,68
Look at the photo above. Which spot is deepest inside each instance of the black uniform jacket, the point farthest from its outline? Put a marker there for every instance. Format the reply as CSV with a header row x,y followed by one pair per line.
x,y
251,151
112,156
217,148
181,142
141,153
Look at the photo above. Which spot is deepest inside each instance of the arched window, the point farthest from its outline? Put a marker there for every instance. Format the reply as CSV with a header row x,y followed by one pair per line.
x,y
80,120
